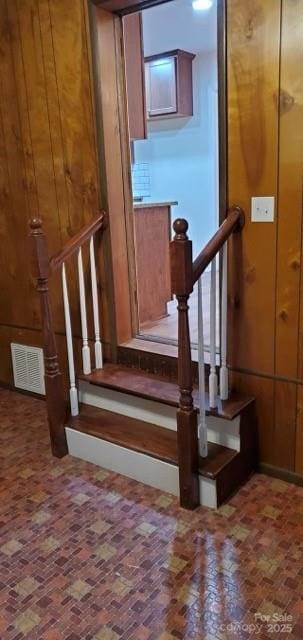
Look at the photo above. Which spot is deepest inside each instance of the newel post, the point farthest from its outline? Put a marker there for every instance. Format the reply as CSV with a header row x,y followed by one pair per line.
x,y
56,406
187,424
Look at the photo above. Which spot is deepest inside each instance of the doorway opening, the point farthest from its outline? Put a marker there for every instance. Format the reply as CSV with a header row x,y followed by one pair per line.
x,y
171,65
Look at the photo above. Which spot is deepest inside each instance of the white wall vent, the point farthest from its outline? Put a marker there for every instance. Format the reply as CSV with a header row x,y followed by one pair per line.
x,y
28,368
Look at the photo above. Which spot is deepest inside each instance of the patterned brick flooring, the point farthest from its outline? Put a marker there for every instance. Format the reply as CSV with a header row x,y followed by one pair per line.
x,y
89,555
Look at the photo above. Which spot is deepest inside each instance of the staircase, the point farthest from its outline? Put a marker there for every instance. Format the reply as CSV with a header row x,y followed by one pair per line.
x,y
169,434
130,418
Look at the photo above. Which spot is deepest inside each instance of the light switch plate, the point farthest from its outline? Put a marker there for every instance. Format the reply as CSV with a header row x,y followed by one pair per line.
x,y
263,209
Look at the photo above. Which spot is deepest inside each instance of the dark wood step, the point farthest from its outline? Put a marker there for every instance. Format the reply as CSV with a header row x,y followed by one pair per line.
x,y
146,438
151,387
127,432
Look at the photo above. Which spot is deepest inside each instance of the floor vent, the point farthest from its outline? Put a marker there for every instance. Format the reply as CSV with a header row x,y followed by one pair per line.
x,y
28,368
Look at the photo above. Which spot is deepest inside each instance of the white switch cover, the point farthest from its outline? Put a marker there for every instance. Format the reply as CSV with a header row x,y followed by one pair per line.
x,y
263,209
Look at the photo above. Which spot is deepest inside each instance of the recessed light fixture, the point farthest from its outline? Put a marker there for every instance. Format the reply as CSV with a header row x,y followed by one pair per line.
x,y
202,5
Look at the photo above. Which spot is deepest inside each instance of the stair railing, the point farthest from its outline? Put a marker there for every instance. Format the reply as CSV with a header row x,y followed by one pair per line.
x,y
43,267
185,273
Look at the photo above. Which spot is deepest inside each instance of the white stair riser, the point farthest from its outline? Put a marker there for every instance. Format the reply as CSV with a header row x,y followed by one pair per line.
x,y
135,465
127,405
224,432
219,431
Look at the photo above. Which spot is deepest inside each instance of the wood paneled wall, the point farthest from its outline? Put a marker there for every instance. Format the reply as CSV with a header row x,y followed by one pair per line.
x,y
48,159
265,150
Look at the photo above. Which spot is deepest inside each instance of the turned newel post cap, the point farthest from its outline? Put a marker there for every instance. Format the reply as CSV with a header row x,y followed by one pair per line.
x,y
180,228
35,224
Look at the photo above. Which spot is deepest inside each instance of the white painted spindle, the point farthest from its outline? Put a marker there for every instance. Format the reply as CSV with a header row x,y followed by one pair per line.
x,y
223,369
73,394
85,347
98,345
213,382
203,449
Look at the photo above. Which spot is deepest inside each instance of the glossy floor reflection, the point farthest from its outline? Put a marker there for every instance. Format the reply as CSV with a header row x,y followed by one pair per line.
x,y
86,554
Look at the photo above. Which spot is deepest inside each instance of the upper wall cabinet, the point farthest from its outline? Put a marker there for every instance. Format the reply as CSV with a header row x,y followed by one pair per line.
x,y
169,84
134,69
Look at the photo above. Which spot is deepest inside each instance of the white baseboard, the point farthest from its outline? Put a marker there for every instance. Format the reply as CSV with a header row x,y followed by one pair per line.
x,y
135,465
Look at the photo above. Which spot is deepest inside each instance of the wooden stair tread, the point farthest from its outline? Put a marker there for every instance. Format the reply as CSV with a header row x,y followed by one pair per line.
x,y
150,439
151,387
127,432
218,458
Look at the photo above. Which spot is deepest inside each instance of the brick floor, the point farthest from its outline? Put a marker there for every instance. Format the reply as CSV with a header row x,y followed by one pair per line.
x,y
90,555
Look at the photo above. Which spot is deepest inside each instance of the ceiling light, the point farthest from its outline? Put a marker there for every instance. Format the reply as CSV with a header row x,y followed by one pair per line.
x,y
202,5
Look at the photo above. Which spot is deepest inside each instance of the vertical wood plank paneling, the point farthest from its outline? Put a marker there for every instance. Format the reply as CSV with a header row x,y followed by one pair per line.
x,y
253,81
16,266
68,32
72,69
105,58
5,252
21,98
299,431
53,110
30,33
284,441
289,246
35,71
47,149
263,390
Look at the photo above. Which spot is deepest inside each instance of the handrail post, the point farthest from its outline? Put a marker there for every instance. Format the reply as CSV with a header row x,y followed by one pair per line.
x,y
187,427
56,406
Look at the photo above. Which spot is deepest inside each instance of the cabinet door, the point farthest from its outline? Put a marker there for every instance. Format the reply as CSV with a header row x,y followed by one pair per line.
x,y
161,89
152,236
135,81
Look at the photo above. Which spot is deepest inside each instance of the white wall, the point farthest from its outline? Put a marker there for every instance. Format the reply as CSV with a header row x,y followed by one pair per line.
x,y
182,156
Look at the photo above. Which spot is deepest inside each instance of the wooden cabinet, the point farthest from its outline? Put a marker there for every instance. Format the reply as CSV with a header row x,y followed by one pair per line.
x,y
134,69
158,86
152,226
169,84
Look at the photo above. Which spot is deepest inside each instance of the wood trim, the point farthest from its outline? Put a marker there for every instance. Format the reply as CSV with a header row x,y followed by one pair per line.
x,y
170,54
11,387
132,33
266,375
122,181
222,108
164,364
280,474
123,7
106,70
126,175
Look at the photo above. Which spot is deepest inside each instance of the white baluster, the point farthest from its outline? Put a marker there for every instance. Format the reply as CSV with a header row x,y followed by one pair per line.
x,y
98,345
213,382
202,428
223,369
85,347
73,394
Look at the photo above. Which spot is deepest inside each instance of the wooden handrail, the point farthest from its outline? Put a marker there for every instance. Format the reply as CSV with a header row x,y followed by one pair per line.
x,y
234,221
77,241
42,267
55,401
181,262
184,274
